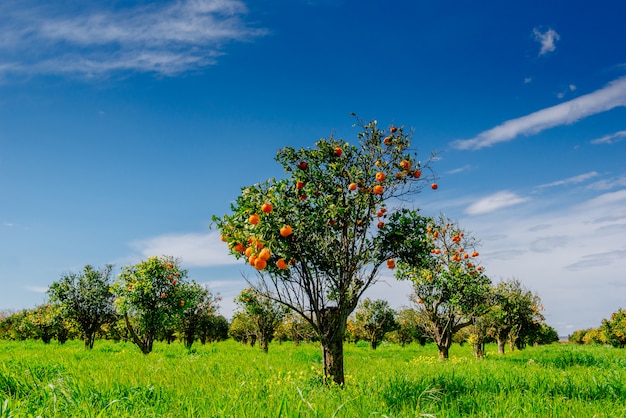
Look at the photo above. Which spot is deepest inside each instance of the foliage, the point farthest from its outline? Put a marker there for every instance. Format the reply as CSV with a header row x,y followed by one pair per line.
x,y
516,312
266,314
614,329
242,328
150,297
213,328
295,329
409,328
373,319
312,235
198,304
449,287
86,298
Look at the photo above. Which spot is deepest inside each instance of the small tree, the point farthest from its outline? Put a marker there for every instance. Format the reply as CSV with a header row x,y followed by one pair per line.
x,y
408,328
213,328
450,289
149,299
374,319
266,314
515,308
243,329
614,329
198,303
86,298
319,225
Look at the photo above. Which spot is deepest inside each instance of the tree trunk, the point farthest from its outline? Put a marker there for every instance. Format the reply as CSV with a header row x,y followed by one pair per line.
x,y
144,345
333,331
479,350
501,344
373,344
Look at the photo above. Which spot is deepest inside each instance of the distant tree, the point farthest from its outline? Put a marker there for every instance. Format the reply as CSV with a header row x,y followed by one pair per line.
x,y
595,336
317,222
242,328
15,326
515,310
614,329
541,334
43,322
148,298
409,328
577,336
198,303
374,318
213,328
450,289
294,328
266,314
86,298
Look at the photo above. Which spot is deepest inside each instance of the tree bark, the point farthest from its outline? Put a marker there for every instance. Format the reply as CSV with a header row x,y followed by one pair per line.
x,y
333,331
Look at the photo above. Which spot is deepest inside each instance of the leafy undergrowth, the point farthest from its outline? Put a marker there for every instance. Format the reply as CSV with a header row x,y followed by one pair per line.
x,y
233,380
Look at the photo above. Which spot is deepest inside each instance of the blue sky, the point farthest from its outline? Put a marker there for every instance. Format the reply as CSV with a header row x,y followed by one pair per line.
x,y
125,125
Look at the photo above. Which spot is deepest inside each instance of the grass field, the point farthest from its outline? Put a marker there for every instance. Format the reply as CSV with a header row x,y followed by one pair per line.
x,y
230,379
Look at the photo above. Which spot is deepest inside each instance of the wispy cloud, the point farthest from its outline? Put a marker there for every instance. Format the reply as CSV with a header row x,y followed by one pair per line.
x,y
459,169
36,289
547,40
166,39
571,180
494,202
566,113
195,250
611,138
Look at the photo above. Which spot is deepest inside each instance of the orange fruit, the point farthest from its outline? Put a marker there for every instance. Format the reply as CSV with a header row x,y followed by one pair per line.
x,y
260,264
352,186
381,225
393,129
387,140
378,189
281,264
299,185
239,248
265,254
252,260
475,254
420,301
434,186
405,164
285,231
380,176
163,295
338,151
182,303
266,208
249,251
253,219
417,174
391,263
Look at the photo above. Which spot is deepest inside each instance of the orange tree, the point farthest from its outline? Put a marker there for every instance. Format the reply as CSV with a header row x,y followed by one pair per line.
x,y
86,298
614,329
266,314
450,289
150,298
313,234
373,319
515,310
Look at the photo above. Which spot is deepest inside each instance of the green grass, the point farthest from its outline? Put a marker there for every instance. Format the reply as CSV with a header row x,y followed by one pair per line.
x,y
230,379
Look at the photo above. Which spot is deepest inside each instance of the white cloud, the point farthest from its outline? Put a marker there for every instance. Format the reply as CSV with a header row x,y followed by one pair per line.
x,y
494,202
528,80
611,96
36,289
607,198
547,40
571,180
166,38
195,250
610,139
